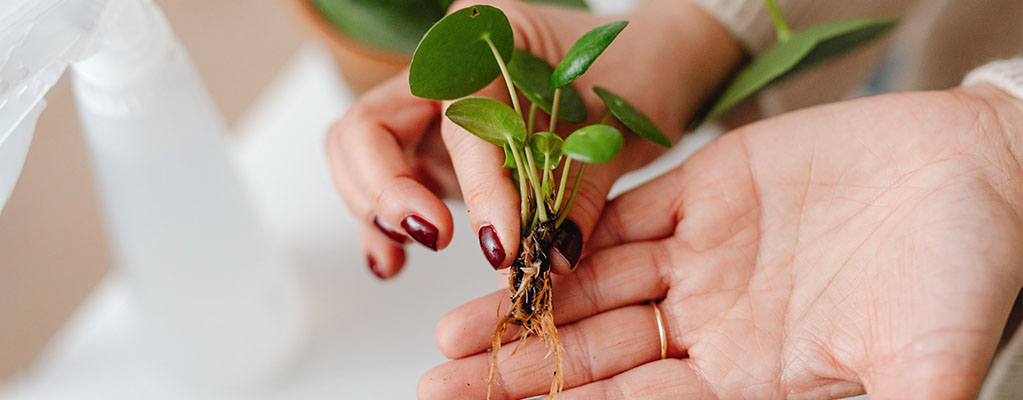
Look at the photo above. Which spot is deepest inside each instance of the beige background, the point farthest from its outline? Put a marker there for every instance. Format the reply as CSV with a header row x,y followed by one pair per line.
x,y
51,240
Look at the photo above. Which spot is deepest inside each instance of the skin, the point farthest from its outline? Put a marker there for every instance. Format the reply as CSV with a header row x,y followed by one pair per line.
x,y
393,154
873,245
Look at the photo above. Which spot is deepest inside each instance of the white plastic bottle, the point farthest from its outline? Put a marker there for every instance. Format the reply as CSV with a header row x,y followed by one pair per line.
x,y
221,303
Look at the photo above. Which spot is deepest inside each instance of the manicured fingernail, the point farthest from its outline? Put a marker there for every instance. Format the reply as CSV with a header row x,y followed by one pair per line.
x,y
568,241
491,246
388,231
421,230
374,268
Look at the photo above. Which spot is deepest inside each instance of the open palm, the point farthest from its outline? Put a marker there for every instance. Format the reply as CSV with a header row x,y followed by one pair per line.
x,y
873,245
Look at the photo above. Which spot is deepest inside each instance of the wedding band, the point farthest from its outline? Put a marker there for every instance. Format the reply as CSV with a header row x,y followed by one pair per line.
x,y
660,329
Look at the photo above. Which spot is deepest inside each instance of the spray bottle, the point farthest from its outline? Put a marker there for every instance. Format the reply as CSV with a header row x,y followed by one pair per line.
x,y
219,302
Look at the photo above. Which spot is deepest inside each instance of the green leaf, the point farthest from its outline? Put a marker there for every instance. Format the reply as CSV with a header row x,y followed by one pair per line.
x,y
454,60
565,3
489,119
546,144
593,144
585,51
532,75
632,118
802,50
509,158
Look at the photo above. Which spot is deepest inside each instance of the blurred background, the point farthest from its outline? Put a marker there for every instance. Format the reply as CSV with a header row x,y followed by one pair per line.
x,y
70,325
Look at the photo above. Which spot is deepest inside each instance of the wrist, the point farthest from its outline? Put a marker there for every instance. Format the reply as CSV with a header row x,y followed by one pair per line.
x,y
1000,115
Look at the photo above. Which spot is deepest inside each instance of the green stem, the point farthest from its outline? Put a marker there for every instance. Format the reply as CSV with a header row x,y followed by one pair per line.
x,y
546,170
531,170
571,199
524,205
561,186
607,115
780,25
532,118
504,71
554,108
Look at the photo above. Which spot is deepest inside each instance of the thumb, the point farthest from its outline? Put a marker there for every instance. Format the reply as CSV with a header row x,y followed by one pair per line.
x,y
583,212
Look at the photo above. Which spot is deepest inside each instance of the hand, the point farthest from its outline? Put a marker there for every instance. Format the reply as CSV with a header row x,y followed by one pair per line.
x,y
390,152
875,245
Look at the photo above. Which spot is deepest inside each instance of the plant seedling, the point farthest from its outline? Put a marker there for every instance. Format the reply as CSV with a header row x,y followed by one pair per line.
x,y
470,48
466,51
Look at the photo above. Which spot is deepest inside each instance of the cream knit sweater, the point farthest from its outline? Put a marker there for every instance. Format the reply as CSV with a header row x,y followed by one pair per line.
x,y
936,44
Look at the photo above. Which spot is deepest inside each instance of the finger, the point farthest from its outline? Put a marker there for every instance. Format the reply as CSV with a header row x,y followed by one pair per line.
x,y
383,257
489,193
613,278
368,145
649,212
661,379
594,348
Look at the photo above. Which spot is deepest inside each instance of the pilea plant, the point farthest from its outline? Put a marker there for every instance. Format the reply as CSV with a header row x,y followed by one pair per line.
x,y
470,48
466,51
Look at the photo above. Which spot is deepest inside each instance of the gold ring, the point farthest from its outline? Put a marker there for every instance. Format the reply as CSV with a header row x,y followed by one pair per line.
x,y
660,329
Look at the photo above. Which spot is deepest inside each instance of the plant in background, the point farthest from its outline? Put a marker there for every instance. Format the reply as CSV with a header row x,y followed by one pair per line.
x,y
393,25
463,53
470,48
795,52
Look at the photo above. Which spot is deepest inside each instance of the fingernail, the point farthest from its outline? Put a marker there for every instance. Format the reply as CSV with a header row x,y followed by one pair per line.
x,y
374,268
491,246
388,231
420,230
568,241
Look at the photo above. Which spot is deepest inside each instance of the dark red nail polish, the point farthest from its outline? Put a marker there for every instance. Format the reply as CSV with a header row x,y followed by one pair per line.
x,y
491,246
568,241
374,268
387,231
421,230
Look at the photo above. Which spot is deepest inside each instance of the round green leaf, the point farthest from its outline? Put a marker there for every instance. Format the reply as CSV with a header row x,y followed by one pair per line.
x,y
800,51
454,60
585,51
543,145
532,75
593,144
632,118
489,119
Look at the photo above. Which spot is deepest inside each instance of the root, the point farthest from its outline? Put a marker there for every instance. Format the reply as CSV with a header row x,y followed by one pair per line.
x,y
530,285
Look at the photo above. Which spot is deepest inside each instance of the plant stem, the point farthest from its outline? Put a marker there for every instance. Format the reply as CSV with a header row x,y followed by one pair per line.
x,y
780,25
561,186
554,108
532,118
531,170
571,199
607,115
507,77
546,170
524,205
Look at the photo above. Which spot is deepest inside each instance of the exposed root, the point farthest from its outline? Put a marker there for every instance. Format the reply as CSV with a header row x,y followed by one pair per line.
x,y
530,285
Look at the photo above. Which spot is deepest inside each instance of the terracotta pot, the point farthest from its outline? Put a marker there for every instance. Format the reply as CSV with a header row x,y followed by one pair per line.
x,y
362,66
